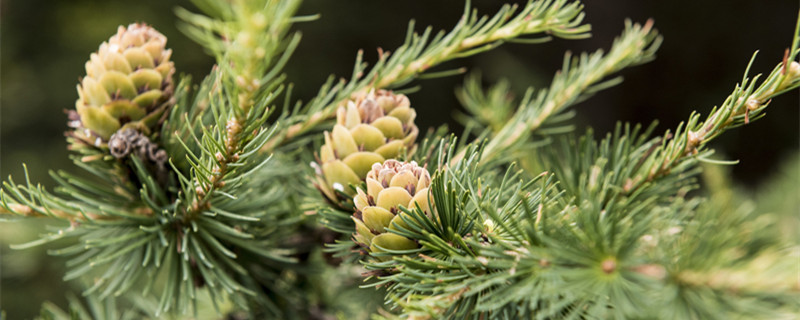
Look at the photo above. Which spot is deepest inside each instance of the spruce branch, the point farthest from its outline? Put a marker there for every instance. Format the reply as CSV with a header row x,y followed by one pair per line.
x,y
582,255
111,194
192,232
78,198
473,34
251,45
746,103
29,200
606,232
542,253
36,211
741,265
578,79
490,109
458,267
94,307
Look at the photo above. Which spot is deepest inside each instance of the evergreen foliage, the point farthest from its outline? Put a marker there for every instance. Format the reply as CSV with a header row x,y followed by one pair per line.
x,y
523,218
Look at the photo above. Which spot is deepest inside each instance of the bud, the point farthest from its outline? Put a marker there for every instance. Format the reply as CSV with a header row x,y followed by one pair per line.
x,y
488,225
369,130
128,84
794,69
389,186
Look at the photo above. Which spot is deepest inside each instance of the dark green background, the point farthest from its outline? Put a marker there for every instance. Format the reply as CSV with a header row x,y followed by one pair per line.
x,y
707,46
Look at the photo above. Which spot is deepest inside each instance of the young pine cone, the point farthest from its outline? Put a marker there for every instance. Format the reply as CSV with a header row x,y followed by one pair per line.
x,y
367,131
389,186
128,83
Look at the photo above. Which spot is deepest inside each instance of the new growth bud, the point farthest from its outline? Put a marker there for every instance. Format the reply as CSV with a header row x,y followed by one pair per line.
x,y
389,186
128,83
369,130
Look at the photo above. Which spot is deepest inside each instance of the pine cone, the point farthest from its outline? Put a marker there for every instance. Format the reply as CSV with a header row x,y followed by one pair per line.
x,y
389,186
128,84
369,130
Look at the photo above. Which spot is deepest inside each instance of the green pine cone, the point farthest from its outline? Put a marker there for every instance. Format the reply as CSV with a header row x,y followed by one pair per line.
x,y
128,83
369,130
389,186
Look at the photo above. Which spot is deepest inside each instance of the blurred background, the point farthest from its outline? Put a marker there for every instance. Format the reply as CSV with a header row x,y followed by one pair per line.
x,y
45,43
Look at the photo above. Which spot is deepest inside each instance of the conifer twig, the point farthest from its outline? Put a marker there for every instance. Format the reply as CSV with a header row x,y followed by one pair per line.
x,y
245,40
745,104
471,35
578,78
41,212
28,211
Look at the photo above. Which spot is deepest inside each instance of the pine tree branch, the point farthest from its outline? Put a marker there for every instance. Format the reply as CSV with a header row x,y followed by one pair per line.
x,y
85,200
631,162
559,19
198,235
471,35
573,244
579,255
38,212
746,103
758,276
586,261
743,263
250,51
578,78
488,110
